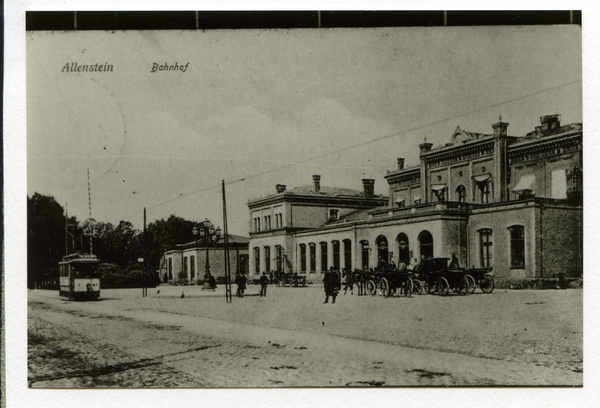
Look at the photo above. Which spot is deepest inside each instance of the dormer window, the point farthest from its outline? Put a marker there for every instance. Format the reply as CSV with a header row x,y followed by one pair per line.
x,y
333,214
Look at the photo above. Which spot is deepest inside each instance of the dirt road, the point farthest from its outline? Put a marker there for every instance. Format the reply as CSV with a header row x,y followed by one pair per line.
x,y
291,339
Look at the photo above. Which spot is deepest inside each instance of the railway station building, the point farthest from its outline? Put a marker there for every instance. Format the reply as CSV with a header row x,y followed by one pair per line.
x,y
512,204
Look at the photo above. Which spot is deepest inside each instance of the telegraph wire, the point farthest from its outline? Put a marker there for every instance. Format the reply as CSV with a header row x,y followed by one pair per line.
x,y
378,139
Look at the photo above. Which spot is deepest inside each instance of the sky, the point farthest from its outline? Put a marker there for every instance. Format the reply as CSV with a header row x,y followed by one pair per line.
x,y
258,108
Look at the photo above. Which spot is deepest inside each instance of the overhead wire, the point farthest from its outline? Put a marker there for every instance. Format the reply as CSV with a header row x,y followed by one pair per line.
x,y
375,140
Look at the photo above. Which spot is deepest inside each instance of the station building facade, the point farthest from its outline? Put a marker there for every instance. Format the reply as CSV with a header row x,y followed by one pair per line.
x,y
512,204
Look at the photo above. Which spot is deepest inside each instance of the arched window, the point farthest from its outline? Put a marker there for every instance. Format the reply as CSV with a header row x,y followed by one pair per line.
x,y
336,255
192,268
485,247
517,246
170,268
185,268
302,258
365,254
382,251
323,256
313,257
257,260
348,254
267,259
426,245
403,249
461,194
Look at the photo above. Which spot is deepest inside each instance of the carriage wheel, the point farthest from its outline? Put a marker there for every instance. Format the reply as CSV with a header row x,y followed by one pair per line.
x,y
487,283
442,287
463,286
408,287
384,287
371,288
429,288
417,287
472,284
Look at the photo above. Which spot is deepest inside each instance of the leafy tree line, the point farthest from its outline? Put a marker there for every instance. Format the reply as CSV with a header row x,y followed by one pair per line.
x,y
117,246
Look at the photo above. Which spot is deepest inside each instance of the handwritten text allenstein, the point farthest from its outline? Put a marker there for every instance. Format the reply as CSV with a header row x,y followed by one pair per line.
x,y
167,67
75,67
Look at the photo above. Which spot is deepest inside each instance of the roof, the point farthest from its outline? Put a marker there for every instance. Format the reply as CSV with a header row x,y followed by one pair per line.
x,y
233,239
332,191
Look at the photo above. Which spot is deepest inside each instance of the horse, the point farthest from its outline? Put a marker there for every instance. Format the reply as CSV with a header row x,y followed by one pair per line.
x,y
349,281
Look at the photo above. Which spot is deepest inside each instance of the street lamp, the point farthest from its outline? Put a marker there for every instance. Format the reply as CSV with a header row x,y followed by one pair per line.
x,y
210,236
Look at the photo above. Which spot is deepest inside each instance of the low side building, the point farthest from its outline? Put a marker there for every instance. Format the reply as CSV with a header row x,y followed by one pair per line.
x,y
186,263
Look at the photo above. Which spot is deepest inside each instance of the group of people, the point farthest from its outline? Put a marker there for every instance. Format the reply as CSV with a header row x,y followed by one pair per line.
x,y
240,281
332,280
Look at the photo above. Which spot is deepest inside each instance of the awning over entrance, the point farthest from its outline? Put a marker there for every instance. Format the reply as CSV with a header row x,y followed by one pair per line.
x,y
526,183
482,178
438,187
400,202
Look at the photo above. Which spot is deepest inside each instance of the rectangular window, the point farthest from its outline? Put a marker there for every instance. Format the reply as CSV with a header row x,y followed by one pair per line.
x,y
185,267
365,255
192,268
336,255
517,246
269,222
323,256
267,259
559,184
302,258
279,254
313,258
348,254
485,248
257,261
485,193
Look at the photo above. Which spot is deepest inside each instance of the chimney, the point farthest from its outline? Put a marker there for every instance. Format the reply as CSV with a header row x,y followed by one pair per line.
x,y
400,163
369,187
280,188
550,122
317,181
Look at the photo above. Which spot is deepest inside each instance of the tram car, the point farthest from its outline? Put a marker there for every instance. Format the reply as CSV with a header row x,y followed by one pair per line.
x,y
79,278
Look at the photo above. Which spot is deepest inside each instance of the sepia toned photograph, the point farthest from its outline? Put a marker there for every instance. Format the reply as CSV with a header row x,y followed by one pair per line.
x,y
304,207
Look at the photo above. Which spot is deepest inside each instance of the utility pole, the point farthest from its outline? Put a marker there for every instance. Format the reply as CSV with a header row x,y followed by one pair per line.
x,y
226,250
145,264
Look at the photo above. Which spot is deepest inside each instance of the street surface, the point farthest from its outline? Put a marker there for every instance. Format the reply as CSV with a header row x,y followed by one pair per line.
x,y
291,339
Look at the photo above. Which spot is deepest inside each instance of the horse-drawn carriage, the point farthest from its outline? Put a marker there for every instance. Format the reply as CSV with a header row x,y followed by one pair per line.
x,y
288,279
439,278
387,282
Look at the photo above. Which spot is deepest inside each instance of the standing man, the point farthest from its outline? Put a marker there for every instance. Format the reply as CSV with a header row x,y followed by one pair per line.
x,y
264,281
240,280
332,283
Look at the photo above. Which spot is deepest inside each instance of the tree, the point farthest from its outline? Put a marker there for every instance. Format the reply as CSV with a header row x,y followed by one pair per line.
x,y
46,242
164,234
